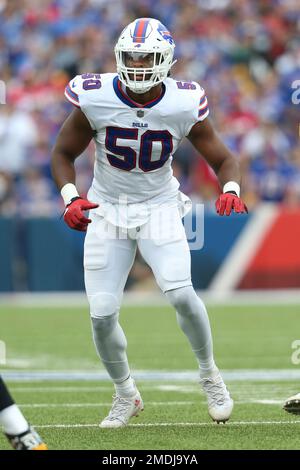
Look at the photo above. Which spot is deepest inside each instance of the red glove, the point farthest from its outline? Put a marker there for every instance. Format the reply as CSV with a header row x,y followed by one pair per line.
x,y
74,216
229,201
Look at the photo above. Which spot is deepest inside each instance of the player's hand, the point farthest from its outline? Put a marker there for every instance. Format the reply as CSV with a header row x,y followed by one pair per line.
x,y
74,213
228,202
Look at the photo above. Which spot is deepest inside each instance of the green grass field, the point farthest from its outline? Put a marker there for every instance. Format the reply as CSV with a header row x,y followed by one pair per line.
x,y
248,340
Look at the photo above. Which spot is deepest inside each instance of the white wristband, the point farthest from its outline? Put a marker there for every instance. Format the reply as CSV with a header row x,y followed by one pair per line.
x,y
68,191
232,186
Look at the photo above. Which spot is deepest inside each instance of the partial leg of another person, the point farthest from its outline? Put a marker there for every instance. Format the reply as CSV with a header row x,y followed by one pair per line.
x,y
167,253
292,404
19,433
108,258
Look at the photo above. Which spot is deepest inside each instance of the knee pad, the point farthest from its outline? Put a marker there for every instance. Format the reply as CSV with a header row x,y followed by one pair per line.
x,y
103,304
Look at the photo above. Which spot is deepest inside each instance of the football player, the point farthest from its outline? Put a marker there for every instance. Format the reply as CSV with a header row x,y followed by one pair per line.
x,y
20,434
137,117
292,404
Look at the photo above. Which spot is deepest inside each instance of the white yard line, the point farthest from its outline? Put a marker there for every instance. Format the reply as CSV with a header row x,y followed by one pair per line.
x,y
148,403
62,389
96,405
148,425
153,375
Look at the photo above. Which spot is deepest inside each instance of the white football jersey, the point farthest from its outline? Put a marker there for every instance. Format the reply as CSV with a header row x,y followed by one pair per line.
x,y
135,143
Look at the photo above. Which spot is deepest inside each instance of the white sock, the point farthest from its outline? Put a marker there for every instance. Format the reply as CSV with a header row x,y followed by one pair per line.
x,y
126,389
13,420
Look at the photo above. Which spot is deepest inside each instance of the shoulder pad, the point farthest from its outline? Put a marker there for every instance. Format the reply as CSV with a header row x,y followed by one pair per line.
x,y
81,83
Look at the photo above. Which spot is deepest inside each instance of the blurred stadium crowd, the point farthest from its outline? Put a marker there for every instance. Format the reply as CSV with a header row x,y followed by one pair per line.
x,y
245,53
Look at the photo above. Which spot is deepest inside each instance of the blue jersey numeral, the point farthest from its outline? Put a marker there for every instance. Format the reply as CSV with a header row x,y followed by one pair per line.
x,y
91,81
147,139
129,156
186,86
128,162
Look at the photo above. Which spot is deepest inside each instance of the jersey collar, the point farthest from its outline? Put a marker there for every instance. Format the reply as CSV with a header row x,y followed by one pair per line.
x,y
126,100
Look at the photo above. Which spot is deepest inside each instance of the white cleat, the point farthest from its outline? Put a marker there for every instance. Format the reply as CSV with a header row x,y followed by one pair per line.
x,y
122,410
220,405
292,404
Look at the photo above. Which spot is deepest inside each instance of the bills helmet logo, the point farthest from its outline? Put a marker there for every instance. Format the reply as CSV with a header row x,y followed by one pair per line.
x,y
165,33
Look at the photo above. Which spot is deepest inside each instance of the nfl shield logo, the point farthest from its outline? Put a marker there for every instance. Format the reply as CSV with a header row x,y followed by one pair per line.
x,y
140,113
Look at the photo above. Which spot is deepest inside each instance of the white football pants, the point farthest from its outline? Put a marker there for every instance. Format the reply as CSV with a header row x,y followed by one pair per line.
x,y
109,253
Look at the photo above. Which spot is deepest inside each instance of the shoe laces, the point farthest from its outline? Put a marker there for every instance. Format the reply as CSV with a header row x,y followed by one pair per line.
x,y
216,390
119,407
